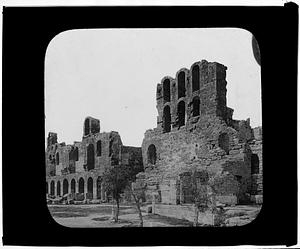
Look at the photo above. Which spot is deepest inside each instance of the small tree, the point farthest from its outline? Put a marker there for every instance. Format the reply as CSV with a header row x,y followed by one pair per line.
x,y
115,180
118,178
137,193
202,194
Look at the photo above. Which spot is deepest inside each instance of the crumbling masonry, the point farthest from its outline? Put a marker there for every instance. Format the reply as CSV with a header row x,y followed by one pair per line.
x,y
77,169
195,132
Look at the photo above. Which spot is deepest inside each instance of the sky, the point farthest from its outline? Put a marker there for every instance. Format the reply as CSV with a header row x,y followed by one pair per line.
x,y
111,75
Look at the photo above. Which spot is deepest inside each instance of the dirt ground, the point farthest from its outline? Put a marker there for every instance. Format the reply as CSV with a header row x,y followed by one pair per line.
x,y
99,215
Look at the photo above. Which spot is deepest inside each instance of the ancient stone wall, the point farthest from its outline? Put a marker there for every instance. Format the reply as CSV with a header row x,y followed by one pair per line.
x,y
83,163
256,167
206,96
195,132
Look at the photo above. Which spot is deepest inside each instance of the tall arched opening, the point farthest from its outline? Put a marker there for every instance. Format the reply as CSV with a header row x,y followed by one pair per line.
x,y
86,127
58,193
181,84
151,154
90,187
90,157
65,186
52,186
73,186
181,113
195,78
167,119
81,185
166,90
57,158
99,148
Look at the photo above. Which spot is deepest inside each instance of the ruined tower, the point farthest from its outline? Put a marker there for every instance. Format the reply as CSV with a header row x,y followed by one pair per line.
x,y
195,132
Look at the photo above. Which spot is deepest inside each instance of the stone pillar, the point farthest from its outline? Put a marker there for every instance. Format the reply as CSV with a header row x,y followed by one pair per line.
x,y
153,203
76,187
85,188
103,194
94,189
69,187
55,188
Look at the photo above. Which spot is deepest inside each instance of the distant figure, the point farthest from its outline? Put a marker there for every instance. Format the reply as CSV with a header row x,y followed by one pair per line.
x,y
255,49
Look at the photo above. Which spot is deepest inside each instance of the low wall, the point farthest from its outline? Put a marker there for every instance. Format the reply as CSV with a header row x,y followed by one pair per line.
x,y
186,212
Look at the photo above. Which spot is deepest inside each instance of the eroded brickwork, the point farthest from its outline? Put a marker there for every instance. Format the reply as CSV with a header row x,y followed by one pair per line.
x,y
77,169
195,132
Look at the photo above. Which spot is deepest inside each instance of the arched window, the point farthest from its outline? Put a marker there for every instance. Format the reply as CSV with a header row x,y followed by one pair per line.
x,y
58,188
73,184
166,90
167,119
52,190
224,142
90,186
151,154
86,127
181,113
254,164
81,185
76,154
195,78
196,106
99,148
181,84
65,187
90,157
57,158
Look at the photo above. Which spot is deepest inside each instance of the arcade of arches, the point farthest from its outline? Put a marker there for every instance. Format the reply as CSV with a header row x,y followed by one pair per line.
x,y
90,186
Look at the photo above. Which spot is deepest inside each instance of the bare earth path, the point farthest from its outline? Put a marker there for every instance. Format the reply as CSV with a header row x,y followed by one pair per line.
x,y
99,215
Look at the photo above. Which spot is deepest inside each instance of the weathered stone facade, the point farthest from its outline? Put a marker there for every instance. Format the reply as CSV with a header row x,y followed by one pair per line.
x,y
77,169
195,132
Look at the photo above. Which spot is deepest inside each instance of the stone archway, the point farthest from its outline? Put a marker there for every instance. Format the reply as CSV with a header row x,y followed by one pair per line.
x,y
90,188
151,154
65,186
58,188
52,188
167,119
166,90
81,185
73,186
181,84
181,113
90,157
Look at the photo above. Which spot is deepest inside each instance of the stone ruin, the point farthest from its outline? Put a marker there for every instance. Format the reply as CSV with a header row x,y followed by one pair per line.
x,y
77,169
196,133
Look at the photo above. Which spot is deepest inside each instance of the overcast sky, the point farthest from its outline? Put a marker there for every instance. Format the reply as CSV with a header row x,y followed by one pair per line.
x,y
112,75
